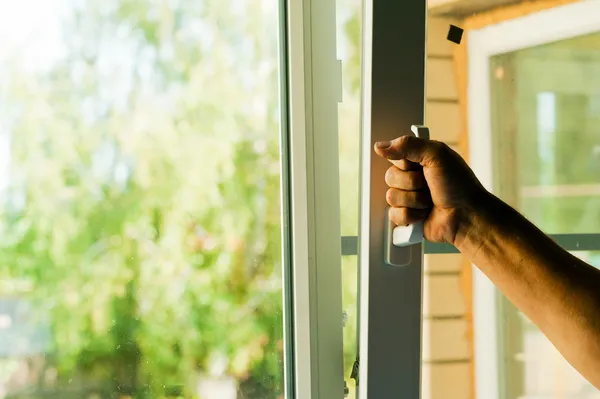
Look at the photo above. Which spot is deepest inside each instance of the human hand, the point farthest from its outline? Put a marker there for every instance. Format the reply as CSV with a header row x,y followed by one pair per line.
x,y
430,182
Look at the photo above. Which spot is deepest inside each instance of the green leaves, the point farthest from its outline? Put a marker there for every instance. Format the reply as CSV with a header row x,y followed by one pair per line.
x,y
150,226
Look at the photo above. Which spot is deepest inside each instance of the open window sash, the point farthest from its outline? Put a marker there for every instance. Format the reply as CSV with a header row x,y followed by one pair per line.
x,y
390,319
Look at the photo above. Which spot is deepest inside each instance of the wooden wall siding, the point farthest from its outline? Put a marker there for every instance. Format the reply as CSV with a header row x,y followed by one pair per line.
x,y
442,296
446,343
437,29
445,348
441,81
442,263
443,119
442,111
446,376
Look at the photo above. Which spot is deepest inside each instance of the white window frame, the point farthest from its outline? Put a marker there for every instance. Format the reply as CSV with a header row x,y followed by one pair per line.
x,y
311,217
539,28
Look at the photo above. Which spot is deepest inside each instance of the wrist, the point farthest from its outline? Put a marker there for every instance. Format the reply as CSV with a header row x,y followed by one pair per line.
x,y
475,221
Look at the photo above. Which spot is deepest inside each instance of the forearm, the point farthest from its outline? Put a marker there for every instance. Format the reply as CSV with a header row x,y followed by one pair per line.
x,y
557,291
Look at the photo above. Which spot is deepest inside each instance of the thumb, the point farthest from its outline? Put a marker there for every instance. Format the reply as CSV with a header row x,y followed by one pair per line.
x,y
410,148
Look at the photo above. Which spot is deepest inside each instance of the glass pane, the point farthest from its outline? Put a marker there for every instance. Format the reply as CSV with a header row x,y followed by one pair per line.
x,y
547,100
349,51
140,242
545,119
349,302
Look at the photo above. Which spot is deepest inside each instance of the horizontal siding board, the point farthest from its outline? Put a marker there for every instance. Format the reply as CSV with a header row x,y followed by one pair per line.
x,y
442,296
438,44
443,120
447,381
443,263
445,340
441,82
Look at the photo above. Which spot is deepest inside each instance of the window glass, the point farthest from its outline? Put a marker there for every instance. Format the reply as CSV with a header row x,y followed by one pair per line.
x,y
140,219
547,103
348,47
349,302
349,52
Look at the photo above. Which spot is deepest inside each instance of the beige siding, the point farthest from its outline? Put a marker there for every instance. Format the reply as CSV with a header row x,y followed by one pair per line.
x,y
442,380
437,31
446,356
445,341
441,84
443,263
442,296
443,119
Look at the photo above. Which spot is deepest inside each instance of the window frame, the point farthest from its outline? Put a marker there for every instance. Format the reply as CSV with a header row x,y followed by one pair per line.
x,y
538,28
311,88
393,99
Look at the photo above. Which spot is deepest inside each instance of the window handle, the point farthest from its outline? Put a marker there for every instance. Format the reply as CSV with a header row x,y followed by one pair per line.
x,y
412,234
404,236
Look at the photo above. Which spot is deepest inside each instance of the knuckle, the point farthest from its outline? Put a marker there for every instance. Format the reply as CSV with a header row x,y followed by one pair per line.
x,y
412,198
440,149
413,180
416,180
405,216
418,200
401,142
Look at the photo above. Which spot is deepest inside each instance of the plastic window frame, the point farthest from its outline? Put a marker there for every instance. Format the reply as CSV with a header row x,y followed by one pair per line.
x,y
311,88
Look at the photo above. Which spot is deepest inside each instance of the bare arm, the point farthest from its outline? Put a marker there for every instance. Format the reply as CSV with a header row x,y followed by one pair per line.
x,y
557,291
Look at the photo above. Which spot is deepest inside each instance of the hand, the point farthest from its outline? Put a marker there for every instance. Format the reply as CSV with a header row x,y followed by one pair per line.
x,y
429,181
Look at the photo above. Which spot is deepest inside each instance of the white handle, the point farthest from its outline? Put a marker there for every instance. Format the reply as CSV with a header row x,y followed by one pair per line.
x,y
403,236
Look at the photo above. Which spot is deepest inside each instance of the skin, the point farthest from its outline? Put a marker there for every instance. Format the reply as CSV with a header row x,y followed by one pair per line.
x,y
558,292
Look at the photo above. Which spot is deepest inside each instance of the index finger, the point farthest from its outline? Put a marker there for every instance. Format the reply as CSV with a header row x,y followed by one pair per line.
x,y
411,148
406,165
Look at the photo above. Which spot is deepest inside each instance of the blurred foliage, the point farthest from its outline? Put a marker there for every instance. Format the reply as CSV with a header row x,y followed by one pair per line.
x,y
349,51
143,201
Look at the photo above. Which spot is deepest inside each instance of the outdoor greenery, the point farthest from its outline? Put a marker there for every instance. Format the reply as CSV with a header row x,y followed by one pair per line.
x,y
141,210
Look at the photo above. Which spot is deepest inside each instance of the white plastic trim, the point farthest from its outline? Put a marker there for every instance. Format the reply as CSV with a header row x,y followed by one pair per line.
x,y
314,82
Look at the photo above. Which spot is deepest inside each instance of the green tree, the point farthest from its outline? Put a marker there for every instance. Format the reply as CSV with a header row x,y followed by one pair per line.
x,y
143,205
